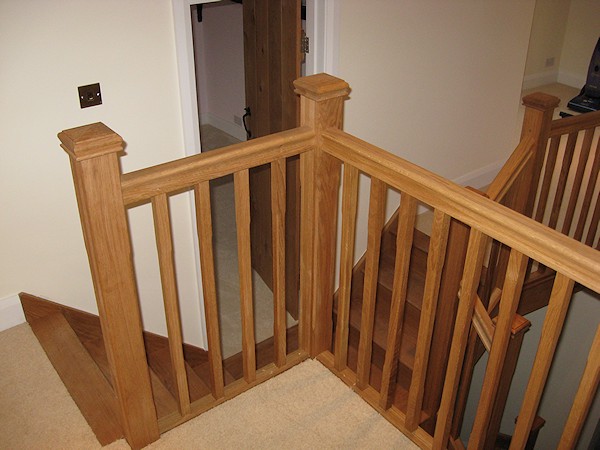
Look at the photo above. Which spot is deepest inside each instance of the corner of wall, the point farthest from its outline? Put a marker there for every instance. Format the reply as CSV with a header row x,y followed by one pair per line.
x,y
11,312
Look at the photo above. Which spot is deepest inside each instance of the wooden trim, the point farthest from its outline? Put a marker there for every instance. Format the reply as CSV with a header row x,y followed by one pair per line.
x,y
511,170
141,185
575,260
278,204
584,397
164,244
349,209
209,286
573,124
404,242
435,263
376,222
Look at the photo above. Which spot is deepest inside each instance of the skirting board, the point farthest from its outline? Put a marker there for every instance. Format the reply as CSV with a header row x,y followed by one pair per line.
x,y
539,79
232,129
481,177
571,79
11,312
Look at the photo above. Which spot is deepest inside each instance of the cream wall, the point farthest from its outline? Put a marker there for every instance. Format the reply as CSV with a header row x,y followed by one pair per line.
x,y
581,36
47,49
546,42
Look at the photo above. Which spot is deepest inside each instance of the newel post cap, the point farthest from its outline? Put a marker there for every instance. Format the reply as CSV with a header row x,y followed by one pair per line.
x,y
541,101
321,87
90,141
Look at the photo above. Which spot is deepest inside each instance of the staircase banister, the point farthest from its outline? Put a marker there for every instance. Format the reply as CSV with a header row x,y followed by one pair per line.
x,y
93,150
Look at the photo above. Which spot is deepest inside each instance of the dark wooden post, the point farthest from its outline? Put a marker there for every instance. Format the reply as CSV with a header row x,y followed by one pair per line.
x,y
321,107
93,150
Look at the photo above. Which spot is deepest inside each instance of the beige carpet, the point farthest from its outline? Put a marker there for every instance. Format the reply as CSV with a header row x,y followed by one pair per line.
x,y
305,407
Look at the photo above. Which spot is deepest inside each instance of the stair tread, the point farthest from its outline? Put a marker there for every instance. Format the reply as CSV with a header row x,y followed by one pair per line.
x,y
83,379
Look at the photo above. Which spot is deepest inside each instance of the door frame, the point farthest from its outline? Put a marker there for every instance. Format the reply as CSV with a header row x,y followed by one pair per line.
x,y
322,23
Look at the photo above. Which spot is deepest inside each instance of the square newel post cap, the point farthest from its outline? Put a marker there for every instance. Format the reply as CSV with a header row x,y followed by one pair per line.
x,y
321,87
541,101
90,141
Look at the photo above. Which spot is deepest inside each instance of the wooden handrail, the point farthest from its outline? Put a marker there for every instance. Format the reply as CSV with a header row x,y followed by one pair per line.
x,y
577,261
141,185
575,123
511,170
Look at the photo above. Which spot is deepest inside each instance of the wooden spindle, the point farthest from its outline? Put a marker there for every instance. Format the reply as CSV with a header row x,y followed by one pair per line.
x,y
278,202
468,293
93,151
435,263
307,250
241,182
547,179
349,208
375,227
584,397
588,196
164,245
511,294
404,240
593,230
577,180
551,330
209,286
562,180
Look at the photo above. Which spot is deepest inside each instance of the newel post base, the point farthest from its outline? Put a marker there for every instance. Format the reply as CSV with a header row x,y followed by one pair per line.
x,y
93,151
321,107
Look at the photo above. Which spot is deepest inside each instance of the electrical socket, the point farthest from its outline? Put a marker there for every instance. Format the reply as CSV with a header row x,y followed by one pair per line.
x,y
237,120
89,95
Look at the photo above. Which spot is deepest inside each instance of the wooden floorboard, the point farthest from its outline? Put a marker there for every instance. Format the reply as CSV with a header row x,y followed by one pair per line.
x,y
83,379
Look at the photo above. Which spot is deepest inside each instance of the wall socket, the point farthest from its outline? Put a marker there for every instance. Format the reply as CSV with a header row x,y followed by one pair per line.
x,y
89,95
237,120
550,62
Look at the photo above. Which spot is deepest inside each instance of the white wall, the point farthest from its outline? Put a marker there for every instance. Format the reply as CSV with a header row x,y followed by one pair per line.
x,y
219,50
47,49
580,39
437,83
546,42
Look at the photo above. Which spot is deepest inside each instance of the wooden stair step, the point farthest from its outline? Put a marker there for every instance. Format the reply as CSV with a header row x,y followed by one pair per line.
x,y
83,379
382,311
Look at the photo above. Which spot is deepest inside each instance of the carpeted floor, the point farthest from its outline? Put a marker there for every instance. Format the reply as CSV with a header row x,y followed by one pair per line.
x,y
305,407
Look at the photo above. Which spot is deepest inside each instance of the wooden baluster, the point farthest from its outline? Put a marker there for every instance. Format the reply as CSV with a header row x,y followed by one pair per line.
x,y
589,192
349,208
435,262
468,293
321,106
575,189
241,184
307,249
164,245
375,227
547,180
594,226
278,200
404,240
511,293
93,153
551,329
209,286
584,397
562,180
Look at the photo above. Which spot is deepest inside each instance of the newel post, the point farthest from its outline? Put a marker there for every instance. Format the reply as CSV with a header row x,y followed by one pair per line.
x,y
93,151
539,108
321,107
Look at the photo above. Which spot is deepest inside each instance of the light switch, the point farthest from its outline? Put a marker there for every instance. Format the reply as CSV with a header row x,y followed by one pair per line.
x,y
90,95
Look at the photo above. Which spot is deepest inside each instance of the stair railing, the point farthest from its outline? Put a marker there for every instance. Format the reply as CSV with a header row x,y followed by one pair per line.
x,y
324,150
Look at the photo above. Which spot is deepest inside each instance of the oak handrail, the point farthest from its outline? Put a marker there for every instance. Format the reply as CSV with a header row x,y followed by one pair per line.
x,y
577,261
511,170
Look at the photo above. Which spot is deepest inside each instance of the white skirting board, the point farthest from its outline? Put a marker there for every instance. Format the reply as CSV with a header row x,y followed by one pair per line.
x,y
11,312
232,129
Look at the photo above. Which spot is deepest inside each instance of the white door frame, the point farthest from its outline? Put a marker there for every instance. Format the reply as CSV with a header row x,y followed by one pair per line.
x,y
322,23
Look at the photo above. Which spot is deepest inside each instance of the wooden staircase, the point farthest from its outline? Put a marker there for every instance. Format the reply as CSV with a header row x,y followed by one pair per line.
x,y
72,340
